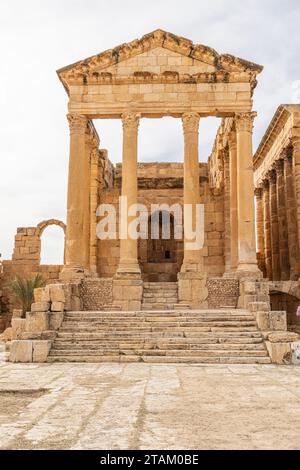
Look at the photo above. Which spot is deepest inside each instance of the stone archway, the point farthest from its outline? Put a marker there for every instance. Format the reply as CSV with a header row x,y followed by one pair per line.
x,y
47,223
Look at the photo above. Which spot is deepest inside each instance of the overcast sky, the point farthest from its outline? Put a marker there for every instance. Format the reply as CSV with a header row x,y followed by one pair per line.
x,y
39,36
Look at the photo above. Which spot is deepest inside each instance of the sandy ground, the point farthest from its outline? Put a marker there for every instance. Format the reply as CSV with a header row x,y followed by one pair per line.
x,y
143,406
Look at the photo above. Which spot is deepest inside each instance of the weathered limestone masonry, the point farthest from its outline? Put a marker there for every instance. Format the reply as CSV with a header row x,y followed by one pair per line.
x,y
165,75
277,164
26,261
32,337
162,75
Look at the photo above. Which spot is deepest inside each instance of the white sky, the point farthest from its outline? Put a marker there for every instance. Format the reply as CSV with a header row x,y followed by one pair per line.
x,y
38,37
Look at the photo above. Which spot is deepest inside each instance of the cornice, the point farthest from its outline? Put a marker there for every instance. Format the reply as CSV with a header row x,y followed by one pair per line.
x,y
228,67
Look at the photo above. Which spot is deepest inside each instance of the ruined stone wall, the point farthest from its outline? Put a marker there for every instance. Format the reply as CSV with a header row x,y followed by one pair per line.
x,y
25,261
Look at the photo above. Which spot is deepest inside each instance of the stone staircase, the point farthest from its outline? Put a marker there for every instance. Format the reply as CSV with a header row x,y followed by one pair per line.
x,y
177,336
159,295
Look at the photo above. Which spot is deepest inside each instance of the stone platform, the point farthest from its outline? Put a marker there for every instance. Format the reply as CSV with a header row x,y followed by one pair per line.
x,y
143,406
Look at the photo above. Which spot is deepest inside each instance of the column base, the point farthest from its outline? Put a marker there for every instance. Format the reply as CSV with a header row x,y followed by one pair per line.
x,y
131,269
250,271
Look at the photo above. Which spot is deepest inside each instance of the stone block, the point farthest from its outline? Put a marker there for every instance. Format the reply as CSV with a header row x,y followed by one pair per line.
x,y
280,353
21,351
18,327
40,306
57,293
17,313
278,321
258,307
41,294
295,348
40,350
55,320
57,306
262,320
283,337
36,322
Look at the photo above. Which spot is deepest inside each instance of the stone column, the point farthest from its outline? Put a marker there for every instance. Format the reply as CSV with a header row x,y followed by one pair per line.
x,y
78,200
233,200
267,228
128,286
128,246
94,183
192,261
296,162
274,227
227,204
260,229
247,261
282,222
192,289
291,215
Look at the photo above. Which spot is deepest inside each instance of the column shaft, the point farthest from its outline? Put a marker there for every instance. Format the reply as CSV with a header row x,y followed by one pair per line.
x,y
78,194
260,229
128,246
233,201
227,203
267,229
247,261
282,222
93,208
191,194
274,227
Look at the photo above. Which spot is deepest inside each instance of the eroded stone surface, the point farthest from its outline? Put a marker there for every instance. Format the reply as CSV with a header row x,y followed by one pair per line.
x,y
139,406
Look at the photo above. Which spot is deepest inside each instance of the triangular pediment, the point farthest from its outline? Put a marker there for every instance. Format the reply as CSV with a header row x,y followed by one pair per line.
x,y
157,52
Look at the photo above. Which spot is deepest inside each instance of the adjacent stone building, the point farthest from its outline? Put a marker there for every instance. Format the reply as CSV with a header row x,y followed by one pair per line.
x,y
277,191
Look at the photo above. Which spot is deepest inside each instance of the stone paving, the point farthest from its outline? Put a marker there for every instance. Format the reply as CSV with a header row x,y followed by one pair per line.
x,y
143,406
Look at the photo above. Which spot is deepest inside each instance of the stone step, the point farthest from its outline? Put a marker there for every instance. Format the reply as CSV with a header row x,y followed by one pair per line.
x,y
160,285
183,311
204,335
94,345
159,352
158,321
157,306
161,359
159,294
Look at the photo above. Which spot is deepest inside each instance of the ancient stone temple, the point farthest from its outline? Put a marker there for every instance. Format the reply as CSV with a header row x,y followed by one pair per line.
x,y
156,299
161,75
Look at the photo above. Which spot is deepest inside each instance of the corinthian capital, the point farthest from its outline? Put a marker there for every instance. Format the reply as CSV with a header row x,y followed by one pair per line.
x,y
131,121
244,121
190,122
77,122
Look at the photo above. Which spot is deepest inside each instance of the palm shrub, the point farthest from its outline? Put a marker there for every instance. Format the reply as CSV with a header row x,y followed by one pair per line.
x,y
22,289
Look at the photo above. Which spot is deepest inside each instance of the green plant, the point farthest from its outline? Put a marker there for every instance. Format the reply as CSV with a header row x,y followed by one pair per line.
x,y
22,289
